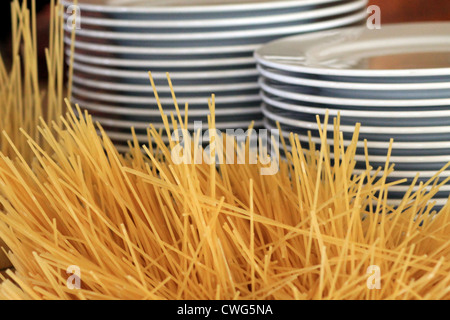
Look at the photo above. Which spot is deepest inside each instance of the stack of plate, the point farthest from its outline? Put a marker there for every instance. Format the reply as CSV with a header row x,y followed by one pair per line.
x,y
394,81
207,47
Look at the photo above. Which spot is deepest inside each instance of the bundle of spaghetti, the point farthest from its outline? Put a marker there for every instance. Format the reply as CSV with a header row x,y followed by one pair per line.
x,y
144,226
24,97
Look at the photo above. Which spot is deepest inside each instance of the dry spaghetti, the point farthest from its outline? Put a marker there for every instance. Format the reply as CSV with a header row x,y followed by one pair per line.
x,y
23,101
139,226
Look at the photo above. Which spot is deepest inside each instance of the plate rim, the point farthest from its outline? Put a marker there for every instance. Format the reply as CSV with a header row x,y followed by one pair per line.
x,y
350,129
147,100
385,103
153,112
410,174
181,75
259,56
179,63
266,5
144,125
352,85
370,113
351,17
372,144
396,159
241,86
161,50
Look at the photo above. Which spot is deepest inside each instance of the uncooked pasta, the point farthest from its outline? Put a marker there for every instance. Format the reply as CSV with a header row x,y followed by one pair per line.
x,y
140,226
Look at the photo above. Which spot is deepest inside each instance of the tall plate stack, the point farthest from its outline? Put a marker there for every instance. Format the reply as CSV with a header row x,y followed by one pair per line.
x,y
206,46
394,81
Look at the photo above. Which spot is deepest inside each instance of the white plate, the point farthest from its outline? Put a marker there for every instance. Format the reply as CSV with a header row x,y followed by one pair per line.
x,y
165,89
350,85
124,148
154,112
352,102
346,52
157,63
211,23
189,6
395,159
221,74
428,145
144,125
415,188
124,137
96,47
399,175
438,202
409,174
114,98
409,114
364,129
202,36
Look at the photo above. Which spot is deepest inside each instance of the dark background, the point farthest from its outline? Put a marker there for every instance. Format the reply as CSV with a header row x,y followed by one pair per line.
x,y
5,10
